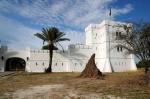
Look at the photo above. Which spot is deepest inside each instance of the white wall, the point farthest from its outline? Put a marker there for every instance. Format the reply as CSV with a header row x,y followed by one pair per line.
x,y
39,60
76,57
12,54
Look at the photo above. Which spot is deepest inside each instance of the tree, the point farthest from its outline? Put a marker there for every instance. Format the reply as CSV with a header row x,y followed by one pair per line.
x,y
137,41
52,36
46,47
141,65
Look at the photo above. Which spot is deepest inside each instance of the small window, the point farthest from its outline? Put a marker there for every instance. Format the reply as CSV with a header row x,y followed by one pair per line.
x,y
55,64
43,64
96,34
81,64
117,34
96,48
118,49
62,64
75,64
121,49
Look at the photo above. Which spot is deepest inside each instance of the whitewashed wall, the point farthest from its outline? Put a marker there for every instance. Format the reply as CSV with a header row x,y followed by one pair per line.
x,y
76,57
12,54
39,60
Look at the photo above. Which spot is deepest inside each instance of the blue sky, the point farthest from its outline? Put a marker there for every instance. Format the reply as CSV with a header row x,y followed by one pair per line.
x,y
21,19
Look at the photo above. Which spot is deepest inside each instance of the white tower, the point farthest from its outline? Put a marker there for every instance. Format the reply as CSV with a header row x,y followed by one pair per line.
x,y
103,37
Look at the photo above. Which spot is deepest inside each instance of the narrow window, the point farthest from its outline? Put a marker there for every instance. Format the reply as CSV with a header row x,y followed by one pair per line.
x,y
118,49
96,48
121,49
62,64
119,63
43,64
55,64
81,64
117,34
96,34
36,63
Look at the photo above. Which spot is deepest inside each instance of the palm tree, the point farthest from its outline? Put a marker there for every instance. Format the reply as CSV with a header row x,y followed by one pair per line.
x,y
52,36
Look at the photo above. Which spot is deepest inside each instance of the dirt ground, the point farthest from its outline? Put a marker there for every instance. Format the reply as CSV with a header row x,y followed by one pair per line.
x,y
132,85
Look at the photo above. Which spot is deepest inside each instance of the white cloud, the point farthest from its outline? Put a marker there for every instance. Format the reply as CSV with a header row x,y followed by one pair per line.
x,y
17,36
70,16
78,13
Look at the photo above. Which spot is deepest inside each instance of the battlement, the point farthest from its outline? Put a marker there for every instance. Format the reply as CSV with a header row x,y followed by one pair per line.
x,y
47,51
95,26
78,46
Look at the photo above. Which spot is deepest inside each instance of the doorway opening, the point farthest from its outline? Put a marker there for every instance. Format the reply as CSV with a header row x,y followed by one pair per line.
x,y
15,64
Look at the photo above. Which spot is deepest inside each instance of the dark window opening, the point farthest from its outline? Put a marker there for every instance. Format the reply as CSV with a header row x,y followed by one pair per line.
x,y
118,49
75,64
121,49
117,34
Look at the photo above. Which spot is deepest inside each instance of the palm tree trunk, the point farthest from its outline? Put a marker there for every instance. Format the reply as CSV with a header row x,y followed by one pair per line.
x,y
49,69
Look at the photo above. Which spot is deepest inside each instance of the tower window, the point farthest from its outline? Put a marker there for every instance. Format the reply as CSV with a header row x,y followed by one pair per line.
x,y
62,64
117,34
118,49
121,49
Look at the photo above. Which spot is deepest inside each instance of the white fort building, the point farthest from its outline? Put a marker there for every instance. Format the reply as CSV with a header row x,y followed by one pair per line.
x,y
99,39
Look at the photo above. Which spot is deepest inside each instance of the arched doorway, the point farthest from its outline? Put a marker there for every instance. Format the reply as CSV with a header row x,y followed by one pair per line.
x,y
15,63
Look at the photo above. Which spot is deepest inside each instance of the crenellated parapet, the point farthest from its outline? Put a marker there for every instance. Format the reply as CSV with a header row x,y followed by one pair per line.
x,y
47,51
79,46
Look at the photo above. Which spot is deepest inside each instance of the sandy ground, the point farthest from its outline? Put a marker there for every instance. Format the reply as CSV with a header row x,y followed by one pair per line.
x,y
55,91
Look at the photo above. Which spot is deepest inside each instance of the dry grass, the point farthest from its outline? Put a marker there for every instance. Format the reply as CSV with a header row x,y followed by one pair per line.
x,y
125,84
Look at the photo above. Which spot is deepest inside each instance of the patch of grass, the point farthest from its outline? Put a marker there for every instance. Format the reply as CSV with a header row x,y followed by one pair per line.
x,y
126,84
